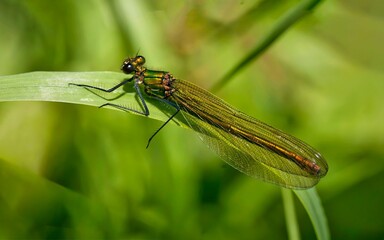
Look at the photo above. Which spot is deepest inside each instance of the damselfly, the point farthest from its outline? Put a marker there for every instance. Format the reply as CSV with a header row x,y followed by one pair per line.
x,y
245,143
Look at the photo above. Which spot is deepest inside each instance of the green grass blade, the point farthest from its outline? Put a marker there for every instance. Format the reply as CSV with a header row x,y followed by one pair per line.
x,y
290,214
53,87
312,205
285,22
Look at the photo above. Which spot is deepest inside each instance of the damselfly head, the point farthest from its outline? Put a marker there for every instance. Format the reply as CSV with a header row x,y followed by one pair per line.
x,y
132,64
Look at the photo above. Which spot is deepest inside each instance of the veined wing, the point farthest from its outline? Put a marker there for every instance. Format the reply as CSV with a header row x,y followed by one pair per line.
x,y
248,144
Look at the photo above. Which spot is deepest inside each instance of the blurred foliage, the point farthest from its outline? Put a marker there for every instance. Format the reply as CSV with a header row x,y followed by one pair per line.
x,y
81,172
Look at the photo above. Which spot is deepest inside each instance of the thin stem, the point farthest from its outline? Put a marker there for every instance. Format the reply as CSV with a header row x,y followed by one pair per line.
x,y
290,214
286,21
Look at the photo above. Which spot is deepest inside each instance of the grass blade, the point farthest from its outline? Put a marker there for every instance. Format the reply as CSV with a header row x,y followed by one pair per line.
x,y
312,205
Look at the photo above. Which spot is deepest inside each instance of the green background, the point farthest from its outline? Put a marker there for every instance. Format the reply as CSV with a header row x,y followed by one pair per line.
x,y
80,172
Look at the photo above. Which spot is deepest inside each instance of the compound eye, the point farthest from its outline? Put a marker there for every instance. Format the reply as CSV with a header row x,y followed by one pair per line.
x,y
127,68
140,60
